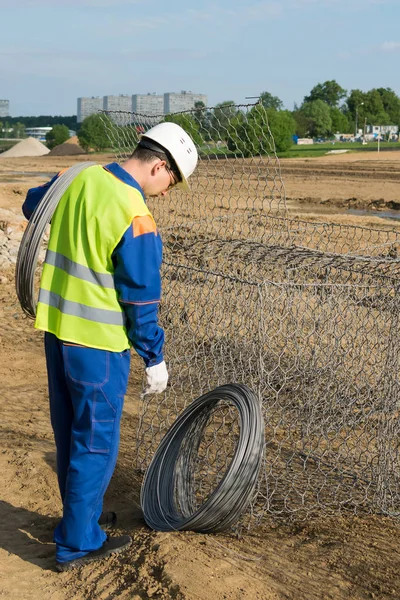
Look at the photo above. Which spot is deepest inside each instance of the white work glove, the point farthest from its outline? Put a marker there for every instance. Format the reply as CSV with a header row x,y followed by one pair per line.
x,y
157,379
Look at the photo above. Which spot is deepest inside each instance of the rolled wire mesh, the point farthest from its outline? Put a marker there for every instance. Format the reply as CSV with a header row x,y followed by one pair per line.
x,y
32,240
203,473
304,313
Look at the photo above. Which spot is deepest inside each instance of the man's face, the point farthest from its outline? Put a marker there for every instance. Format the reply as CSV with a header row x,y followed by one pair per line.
x,y
162,179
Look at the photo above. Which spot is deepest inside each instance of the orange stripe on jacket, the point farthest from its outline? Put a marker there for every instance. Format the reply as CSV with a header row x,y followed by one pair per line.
x,y
58,175
142,225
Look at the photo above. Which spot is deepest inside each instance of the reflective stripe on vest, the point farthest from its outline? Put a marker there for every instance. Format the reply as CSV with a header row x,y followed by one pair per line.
x,y
100,315
80,271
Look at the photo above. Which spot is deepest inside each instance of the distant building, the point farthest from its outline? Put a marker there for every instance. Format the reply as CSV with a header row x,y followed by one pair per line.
x,y
88,106
39,133
120,105
4,108
121,102
379,129
180,102
148,104
381,132
344,137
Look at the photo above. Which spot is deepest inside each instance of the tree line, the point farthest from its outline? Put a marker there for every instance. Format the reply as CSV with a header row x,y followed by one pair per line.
x,y
327,110
265,127
41,121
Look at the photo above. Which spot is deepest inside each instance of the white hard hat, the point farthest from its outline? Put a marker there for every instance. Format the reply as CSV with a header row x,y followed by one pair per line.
x,y
179,144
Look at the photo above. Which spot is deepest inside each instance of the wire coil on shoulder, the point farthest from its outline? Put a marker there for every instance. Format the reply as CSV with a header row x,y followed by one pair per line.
x,y
30,244
168,483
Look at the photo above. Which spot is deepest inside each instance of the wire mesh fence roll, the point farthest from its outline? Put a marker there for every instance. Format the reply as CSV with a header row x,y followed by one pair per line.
x,y
303,310
170,497
29,249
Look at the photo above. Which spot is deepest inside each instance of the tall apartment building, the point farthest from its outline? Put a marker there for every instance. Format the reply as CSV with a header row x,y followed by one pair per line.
x,y
88,106
122,105
121,102
148,104
174,102
4,108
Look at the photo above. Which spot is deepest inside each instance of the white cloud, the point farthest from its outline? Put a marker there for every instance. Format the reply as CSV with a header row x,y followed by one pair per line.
x,y
211,16
169,54
390,46
224,16
51,65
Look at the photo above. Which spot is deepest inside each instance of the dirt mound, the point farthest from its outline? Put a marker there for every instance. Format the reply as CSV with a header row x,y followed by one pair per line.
x,y
68,148
28,147
72,140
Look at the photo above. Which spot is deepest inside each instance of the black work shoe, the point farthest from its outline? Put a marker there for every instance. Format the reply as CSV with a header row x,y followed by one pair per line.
x,y
110,546
108,520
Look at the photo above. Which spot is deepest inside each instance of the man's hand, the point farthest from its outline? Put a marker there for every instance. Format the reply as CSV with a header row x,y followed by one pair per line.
x,y
157,379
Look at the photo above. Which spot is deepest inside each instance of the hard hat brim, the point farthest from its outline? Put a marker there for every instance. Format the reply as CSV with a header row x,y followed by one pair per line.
x,y
182,185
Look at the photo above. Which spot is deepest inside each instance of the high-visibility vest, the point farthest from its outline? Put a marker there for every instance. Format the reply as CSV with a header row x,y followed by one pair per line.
x,y
78,301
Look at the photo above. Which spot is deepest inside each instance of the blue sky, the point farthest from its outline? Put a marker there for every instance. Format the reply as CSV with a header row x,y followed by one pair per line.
x,y
53,51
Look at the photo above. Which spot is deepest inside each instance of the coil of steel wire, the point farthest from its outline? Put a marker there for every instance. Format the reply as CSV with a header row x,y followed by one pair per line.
x,y
31,241
167,494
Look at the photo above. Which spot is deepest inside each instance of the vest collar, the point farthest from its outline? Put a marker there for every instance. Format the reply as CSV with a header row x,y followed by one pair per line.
x,y
124,176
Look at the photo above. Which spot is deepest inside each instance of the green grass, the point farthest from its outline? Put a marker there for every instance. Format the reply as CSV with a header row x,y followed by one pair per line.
x,y
308,151
7,144
321,149
209,150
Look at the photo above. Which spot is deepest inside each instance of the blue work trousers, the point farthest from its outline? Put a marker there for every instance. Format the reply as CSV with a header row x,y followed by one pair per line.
x,y
86,389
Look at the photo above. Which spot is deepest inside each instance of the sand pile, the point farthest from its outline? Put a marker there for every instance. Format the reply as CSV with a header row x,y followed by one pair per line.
x,y
68,148
72,140
28,147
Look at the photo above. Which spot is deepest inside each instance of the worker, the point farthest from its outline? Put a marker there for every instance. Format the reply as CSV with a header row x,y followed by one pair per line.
x,y
99,295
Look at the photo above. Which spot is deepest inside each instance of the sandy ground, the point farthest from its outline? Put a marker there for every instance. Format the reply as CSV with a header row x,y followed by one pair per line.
x,y
337,558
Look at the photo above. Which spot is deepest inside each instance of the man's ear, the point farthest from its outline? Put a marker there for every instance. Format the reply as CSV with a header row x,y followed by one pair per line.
x,y
160,164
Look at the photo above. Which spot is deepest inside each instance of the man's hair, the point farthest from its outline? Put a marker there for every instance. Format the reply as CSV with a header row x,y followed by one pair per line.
x,y
148,150
146,155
